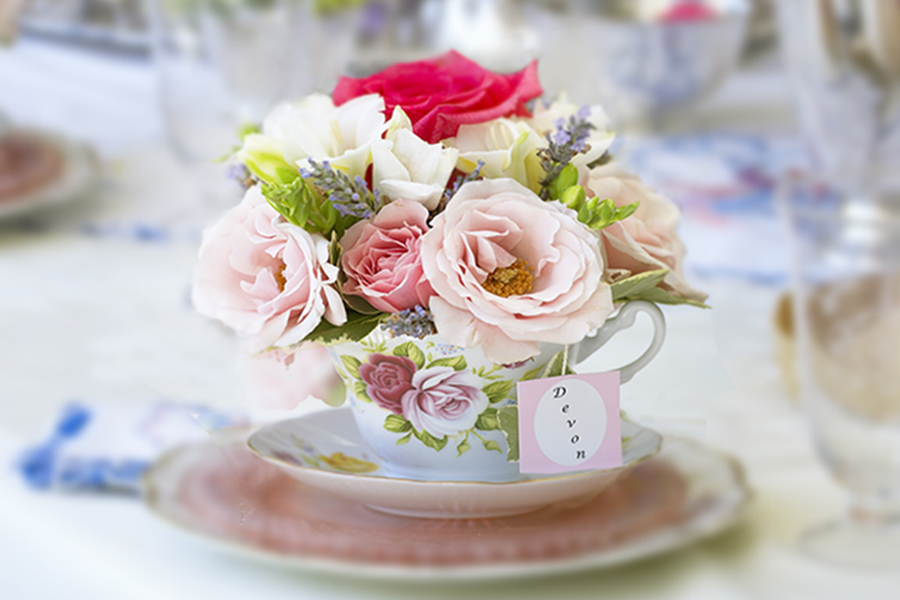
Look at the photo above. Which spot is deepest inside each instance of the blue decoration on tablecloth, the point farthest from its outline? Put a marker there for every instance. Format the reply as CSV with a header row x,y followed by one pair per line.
x,y
108,447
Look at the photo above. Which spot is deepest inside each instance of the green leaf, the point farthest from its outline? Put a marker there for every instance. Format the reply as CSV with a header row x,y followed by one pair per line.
x,y
487,421
354,329
397,424
637,283
412,352
492,445
532,374
362,393
298,203
661,296
404,439
352,364
508,417
463,447
458,363
429,440
554,368
499,390
337,394
623,212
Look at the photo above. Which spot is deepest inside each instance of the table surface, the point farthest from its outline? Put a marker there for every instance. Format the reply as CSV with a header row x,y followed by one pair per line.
x,y
94,306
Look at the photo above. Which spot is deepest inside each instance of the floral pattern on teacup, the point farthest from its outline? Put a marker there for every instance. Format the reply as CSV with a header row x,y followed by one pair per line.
x,y
429,394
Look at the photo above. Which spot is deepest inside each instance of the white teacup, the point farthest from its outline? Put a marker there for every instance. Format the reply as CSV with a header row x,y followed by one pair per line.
x,y
428,408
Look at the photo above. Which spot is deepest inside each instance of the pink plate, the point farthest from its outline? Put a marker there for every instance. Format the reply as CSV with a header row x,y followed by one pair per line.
x,y
226,494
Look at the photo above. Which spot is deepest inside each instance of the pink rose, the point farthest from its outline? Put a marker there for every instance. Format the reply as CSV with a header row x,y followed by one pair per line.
x,y
647,240
267,279
544,266
387,379
443,93
443,401
382,260
276,380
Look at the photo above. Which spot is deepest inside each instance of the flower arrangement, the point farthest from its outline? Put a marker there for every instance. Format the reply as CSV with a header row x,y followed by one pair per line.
x,y
435,197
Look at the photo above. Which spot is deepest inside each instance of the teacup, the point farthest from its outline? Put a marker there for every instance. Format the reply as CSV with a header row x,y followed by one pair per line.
x,y
429,409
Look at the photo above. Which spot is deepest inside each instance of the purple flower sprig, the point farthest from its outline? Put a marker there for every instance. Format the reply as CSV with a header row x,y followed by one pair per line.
x,y
475,175
350,197
568,139
415,322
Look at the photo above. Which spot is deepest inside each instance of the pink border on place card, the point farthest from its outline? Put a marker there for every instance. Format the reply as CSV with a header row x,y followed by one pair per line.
x,y
532,458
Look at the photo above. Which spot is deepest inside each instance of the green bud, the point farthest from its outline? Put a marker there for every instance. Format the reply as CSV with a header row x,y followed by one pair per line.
x,y
573,197
566,179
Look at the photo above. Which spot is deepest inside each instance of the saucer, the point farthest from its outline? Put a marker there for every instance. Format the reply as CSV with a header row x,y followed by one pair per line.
x,y
78,170
225,496
325,450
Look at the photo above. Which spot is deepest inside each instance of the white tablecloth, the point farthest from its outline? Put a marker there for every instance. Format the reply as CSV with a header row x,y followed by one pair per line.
x,y
93,305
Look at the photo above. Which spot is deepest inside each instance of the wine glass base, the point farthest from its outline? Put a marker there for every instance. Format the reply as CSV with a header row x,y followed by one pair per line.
x,y
846,542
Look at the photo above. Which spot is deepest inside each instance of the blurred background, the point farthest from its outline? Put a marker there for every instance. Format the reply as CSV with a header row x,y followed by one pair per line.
x,y
124,108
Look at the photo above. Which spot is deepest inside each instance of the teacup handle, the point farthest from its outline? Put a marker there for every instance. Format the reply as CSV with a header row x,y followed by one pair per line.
x,y
623,320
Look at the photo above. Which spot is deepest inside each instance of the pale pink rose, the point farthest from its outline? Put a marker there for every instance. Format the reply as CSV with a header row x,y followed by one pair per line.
x,y
489,225
443,401
382,260
268,280
277,380
647,240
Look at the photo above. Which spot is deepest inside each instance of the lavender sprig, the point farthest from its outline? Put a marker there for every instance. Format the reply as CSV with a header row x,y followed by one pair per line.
x,y
415,322
350,197
569,138
475,175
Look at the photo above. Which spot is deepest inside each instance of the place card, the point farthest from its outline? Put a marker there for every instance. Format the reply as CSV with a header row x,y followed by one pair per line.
x,y
569,423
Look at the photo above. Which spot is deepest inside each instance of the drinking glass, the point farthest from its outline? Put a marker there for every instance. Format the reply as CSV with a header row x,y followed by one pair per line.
x,y
845,249
843,58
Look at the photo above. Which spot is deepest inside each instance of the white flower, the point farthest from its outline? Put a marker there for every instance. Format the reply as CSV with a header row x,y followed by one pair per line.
x,y
314,128
507,147
545,119
408,167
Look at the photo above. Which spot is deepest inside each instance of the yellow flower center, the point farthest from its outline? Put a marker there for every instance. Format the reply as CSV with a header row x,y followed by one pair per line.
x,y
280,279
514,280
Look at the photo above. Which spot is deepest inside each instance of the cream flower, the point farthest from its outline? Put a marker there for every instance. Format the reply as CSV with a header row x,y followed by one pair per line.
x,y
511,270
507,147
408,167
315,129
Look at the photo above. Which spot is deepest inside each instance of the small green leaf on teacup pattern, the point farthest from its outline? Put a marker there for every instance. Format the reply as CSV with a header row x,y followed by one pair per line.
x,y
458,363
508,418
487,420
404,439
557,366
359,387
463,446
429,440
492,445
352,364
498,391
337,394
374,348
532,374
412,352
397,424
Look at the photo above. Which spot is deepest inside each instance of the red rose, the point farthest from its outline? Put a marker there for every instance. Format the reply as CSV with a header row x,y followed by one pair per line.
x,y
387,378
443,93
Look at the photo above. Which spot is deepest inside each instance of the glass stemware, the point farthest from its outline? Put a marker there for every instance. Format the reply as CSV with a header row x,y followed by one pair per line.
x,y
846,271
